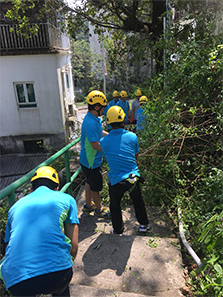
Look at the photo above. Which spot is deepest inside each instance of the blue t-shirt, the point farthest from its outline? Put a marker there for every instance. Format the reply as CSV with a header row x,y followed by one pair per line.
x,y
125,107
104,113
119,148
110,104
37,244
140,119
91,131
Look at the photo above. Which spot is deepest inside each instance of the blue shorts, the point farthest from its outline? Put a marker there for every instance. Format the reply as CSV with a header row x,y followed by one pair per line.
x,y
55,283
94,178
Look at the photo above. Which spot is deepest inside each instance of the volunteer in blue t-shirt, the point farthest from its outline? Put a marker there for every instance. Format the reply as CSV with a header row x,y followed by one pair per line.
x,y
121,148
91,155
135,106
115,101
125,106
42,236
140,124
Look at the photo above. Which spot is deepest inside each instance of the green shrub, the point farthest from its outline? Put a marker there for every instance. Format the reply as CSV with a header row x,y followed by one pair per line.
x,y
181,150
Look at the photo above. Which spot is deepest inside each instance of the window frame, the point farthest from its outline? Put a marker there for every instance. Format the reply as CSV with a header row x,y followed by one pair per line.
x,y
25,104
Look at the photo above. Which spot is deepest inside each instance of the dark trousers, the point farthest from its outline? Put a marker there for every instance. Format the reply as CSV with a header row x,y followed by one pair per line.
x,y
55,283
116,193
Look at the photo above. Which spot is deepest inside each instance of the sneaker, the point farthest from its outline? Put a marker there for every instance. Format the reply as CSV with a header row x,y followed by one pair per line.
x,y
144,228
103,212
89,208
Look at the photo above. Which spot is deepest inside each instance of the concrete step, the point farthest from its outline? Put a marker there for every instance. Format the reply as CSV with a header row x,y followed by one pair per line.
x,y
129,264
86,291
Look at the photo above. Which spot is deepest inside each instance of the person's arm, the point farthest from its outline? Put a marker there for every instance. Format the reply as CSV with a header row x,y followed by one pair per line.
x,y
96,145
71,231
105,133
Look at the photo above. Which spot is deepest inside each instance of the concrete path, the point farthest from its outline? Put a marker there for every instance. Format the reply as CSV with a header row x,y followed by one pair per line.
x,y
126,265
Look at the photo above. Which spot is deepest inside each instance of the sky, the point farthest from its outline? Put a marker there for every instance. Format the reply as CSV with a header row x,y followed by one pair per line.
x,y
72,3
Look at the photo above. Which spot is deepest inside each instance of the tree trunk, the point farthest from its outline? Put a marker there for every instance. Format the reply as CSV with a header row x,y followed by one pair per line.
x,y
159,8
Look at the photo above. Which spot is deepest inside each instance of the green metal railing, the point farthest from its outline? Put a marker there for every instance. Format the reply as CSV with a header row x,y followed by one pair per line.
x,y
9,191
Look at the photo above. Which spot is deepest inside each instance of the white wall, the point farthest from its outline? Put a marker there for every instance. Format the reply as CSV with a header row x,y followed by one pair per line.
x,y
48,117
94,41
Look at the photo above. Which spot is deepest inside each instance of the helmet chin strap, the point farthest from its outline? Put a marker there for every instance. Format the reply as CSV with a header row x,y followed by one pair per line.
x,y
98,111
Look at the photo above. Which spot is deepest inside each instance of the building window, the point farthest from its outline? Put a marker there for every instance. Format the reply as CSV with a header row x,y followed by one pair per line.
x,y
25,94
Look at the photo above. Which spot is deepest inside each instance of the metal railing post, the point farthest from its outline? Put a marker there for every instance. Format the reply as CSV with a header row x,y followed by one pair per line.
x,y
11,198
67,166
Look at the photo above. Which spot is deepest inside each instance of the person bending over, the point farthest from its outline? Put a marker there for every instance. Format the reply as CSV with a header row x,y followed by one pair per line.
x,y
42,236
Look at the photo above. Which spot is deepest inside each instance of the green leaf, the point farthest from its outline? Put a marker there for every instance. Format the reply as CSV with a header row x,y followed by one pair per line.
x,y
218,268
213,259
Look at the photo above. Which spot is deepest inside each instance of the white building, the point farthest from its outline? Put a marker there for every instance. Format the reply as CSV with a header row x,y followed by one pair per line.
x,y
36,89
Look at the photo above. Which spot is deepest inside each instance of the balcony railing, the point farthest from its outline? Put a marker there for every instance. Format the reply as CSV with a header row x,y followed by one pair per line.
x,y
48,37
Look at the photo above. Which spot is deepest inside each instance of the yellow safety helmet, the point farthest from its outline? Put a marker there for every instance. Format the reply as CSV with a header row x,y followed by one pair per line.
x,y
115,114
96,97
115,94
143,99
123,94
46,172
138,93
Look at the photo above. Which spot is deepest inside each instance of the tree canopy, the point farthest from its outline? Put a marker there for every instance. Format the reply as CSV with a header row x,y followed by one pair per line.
x,y
129,16
143,17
